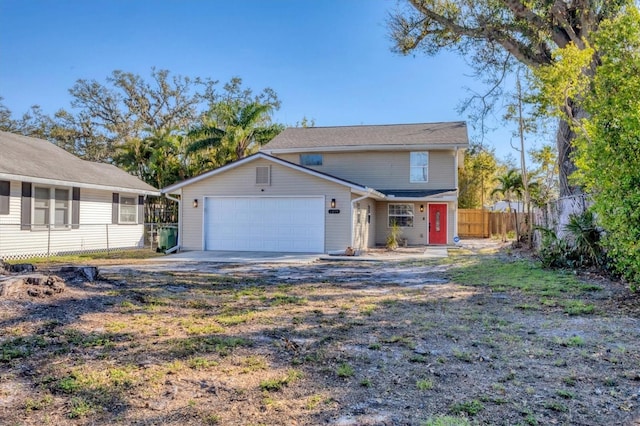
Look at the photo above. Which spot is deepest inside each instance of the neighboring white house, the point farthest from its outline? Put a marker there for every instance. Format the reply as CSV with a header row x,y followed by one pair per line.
x,y
53,202
321,189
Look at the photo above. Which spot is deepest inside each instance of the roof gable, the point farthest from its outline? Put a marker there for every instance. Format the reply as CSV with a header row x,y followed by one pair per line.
x,y
30,159
394,136
172,188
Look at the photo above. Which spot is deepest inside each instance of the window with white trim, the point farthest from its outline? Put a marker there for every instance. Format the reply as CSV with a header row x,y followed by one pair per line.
x,y
45,199
128,209
401,215
419,167
311,159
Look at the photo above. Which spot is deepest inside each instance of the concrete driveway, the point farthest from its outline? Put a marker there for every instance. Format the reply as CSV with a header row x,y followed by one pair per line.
x,y
239,257
219,256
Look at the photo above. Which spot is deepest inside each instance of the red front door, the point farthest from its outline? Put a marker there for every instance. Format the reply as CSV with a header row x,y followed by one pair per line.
x,y
437,224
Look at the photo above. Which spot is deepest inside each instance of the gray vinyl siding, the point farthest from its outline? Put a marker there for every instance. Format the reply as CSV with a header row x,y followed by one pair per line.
x,y
240,181
418,234
95,227
385,169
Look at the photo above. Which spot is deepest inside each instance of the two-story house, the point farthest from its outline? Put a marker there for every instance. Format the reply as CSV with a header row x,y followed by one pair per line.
x,y
320,189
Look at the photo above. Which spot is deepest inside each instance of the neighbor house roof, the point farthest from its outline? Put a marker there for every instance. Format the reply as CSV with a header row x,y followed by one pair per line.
x,y
39,161
260,155
380,137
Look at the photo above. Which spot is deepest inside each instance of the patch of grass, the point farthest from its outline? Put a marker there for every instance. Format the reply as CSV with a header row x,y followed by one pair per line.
x,y
198,304
446,421
470,408
556,406
569,380
375,346
38,404
199,329
254,363
279,299
211,419
402,340
68,384
573,341
462,355
566,394
418,358
527,277
80,407
345,370
198,344
231,320
14,349
424,384
83,258
368,309
313,401
274,385
365,383
200,363
578,307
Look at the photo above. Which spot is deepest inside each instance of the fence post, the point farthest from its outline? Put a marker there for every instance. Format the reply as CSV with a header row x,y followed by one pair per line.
x,y
107,229
48,241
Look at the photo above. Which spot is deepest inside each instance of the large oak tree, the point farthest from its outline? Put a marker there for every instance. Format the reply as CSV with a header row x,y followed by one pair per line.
x,y
496,35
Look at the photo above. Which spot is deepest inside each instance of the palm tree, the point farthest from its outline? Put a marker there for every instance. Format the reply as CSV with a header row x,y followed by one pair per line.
x,y
510,187
233,130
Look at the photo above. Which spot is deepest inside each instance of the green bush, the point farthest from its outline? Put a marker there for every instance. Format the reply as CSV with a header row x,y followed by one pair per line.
x,y
581,248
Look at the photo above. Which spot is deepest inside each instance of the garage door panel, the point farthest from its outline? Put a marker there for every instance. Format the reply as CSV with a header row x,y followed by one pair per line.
x,y
265,224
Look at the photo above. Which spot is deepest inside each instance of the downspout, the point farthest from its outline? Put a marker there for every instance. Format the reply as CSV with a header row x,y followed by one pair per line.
x,y
177,246
353,204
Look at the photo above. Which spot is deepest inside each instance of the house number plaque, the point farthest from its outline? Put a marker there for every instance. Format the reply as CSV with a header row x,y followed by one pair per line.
x,y
334,211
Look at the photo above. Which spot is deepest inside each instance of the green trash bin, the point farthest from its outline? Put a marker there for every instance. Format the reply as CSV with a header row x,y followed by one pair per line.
x,y
167,237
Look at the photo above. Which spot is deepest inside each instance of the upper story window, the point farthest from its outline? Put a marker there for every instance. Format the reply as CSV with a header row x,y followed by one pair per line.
x,y
128,209
419,167
311,159
401,215
52,206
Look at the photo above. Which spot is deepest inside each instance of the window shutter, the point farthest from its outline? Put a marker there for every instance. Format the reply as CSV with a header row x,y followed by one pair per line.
x,y
25,213
5,193
140,209
75,208
263,175
114,208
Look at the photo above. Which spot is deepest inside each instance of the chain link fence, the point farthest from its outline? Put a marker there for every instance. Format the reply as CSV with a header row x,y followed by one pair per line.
x,y
16,242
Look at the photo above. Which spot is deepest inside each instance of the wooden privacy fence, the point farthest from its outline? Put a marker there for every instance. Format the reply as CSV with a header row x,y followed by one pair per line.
x,y
479,223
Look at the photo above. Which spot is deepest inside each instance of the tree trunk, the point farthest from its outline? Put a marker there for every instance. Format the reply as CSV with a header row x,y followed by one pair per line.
x,y
564,140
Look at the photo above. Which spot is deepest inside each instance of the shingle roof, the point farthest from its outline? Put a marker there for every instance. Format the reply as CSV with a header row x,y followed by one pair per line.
x,y
28,157
440,134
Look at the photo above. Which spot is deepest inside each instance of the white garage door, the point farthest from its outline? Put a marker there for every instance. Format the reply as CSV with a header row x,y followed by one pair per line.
x,y
265,224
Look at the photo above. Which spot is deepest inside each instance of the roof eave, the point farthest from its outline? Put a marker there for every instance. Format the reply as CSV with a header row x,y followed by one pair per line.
x,y
356,148
57,182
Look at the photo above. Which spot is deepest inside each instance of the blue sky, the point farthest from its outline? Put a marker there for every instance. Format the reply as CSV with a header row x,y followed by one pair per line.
x,y
328,60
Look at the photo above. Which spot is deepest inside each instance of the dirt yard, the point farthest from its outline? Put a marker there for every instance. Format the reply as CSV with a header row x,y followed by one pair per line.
x,y
476,338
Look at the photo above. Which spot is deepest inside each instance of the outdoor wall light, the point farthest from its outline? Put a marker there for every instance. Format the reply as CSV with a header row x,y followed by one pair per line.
x,y
421,208
195,203
333,203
